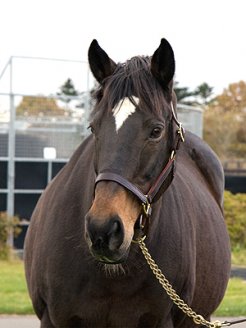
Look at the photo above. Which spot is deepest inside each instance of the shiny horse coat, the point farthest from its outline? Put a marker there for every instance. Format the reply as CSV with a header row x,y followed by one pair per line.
x,y
82,268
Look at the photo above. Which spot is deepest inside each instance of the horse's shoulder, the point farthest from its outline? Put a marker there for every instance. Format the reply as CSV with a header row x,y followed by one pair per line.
x,y
207,163
79,161
84,150
65,182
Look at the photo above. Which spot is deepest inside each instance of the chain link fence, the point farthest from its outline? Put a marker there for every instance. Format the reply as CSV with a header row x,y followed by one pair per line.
x,y
38,135
43,122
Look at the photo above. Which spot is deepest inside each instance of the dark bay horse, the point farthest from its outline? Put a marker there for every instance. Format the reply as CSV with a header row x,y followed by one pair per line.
x,y
82,267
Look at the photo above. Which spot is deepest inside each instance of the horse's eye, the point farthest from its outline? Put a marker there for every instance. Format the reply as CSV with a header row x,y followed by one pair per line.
x,y
156,132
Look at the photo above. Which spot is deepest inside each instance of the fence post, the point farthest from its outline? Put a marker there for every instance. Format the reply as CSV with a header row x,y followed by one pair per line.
x,y
87,104
11,157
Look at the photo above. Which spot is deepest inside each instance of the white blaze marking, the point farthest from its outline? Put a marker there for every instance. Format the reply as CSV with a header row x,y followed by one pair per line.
x,y
123,110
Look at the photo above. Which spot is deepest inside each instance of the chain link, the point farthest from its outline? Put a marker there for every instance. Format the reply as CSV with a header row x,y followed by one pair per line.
x,y
198,319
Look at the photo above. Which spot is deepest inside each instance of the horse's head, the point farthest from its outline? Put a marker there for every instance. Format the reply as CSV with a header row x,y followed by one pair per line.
x,y
133,130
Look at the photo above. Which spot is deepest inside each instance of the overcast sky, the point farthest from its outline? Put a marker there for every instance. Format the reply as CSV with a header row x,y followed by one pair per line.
x,y
208,36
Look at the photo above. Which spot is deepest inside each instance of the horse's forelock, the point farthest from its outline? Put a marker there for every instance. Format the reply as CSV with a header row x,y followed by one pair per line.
x,y
132,78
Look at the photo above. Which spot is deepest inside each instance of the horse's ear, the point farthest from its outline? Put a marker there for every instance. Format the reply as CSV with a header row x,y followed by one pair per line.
x,y
163,64
100,63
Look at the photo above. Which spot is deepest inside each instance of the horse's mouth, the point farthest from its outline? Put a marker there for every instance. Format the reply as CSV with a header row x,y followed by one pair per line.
x,y
109,259
105,260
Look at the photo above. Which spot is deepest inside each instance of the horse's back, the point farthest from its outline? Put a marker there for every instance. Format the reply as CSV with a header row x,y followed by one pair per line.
x,y
207,163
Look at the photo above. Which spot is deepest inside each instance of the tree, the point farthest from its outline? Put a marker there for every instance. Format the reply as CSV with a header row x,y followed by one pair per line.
x,y
233,98
38,106
183,94
203,94
224,122
67,90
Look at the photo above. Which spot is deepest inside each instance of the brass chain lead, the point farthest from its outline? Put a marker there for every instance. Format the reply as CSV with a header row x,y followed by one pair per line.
x,y
197,319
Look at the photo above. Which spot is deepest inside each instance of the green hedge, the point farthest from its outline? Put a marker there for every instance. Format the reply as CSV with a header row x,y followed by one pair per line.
x,y
235,215
7,224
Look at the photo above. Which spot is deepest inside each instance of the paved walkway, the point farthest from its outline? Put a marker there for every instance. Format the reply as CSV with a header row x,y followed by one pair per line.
x,y
16,321
239,272
30,321
241,325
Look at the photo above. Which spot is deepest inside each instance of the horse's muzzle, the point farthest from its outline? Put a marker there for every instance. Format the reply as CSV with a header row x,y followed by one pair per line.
x,y
105,239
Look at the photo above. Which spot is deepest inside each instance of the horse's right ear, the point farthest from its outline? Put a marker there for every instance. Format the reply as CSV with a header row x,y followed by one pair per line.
x,y
100,63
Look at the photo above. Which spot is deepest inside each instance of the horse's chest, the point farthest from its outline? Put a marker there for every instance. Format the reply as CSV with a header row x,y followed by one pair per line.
x,y
124,306
118,311
129,305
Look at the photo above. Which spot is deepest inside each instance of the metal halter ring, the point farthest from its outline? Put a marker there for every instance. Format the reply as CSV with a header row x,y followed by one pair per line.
x,y
147,207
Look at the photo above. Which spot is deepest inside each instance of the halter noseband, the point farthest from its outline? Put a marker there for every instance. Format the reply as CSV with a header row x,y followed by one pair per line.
x,y
162,182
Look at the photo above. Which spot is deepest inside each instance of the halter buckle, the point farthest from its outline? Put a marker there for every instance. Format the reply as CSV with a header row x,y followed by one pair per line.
x,y
181,132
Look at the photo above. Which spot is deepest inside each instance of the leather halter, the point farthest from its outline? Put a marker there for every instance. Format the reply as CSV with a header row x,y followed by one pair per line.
x,y
162,182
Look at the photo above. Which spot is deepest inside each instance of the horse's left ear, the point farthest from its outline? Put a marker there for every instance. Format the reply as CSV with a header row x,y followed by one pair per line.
x,y
163,64
100,63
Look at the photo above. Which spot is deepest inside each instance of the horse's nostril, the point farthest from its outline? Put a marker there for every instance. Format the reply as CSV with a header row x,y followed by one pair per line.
x,y
115,228
115,234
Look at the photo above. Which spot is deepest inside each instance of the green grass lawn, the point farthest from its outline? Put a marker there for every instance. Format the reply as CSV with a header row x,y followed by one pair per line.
x,y
14,298
234,303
